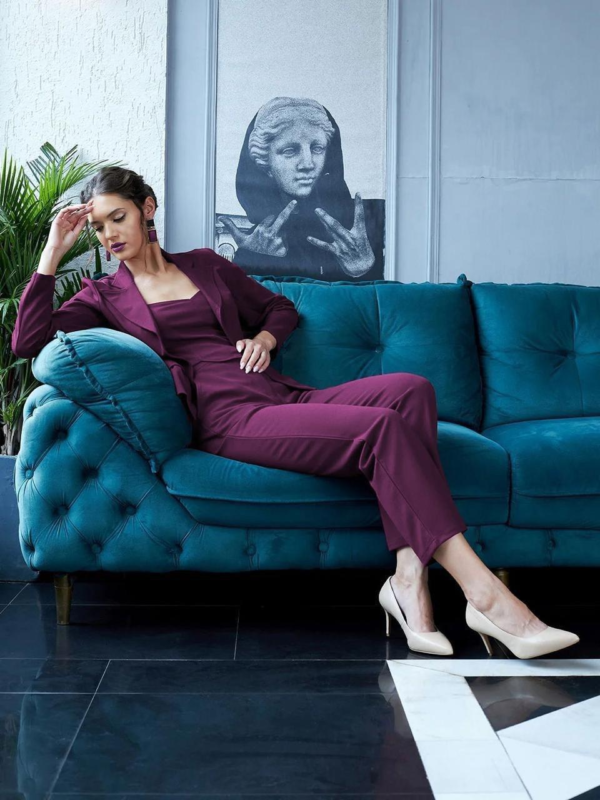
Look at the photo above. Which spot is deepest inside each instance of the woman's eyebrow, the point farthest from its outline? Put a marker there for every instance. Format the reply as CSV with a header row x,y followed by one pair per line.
x,y
109,215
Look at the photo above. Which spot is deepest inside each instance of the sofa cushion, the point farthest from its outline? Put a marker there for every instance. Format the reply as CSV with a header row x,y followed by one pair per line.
x,y
351,329
123,382
223,491
555,471
540,350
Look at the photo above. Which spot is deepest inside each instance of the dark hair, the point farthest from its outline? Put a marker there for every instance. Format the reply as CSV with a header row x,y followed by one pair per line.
x,y
118,180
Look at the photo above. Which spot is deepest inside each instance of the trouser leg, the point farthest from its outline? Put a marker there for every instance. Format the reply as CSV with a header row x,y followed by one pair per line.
x,y
412,396
348,440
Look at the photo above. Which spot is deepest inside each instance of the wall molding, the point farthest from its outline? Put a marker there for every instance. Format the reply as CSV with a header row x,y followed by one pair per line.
x,y
391,265
210,133
435,135
190,124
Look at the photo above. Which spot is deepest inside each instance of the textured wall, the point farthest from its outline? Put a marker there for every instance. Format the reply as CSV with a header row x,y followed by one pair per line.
x,y
90,73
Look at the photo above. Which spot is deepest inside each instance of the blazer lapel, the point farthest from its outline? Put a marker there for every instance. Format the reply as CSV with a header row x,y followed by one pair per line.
x,y
128,305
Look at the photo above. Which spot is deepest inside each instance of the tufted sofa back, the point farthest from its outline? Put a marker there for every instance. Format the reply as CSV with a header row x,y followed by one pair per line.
x,y
351,329
539,349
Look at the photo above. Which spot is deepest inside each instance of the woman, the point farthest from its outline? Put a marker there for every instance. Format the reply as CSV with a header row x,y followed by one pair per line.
x,y
383,426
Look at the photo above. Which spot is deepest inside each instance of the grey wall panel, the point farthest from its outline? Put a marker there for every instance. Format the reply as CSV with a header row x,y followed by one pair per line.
x,y
519,231
520,141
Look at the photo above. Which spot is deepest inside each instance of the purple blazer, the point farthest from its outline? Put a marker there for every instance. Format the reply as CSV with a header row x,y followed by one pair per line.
x,y
116,302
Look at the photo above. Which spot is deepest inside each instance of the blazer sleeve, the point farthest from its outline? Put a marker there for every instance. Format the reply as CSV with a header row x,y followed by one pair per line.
x,y
258,306
37,322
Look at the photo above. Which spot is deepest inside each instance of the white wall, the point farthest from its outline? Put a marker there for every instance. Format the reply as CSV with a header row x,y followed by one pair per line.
x,y
90,73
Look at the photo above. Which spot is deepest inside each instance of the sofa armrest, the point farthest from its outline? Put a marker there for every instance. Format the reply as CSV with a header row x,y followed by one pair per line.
x,y
124,383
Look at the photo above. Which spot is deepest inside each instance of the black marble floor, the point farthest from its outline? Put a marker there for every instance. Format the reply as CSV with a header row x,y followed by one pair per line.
x,y
278,685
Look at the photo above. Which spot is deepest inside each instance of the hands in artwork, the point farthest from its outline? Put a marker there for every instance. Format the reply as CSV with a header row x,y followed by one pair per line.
x,y
256,355
265,237
351,247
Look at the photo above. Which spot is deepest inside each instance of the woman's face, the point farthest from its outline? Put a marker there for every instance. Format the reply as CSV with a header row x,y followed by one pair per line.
x,y
297,158
117,220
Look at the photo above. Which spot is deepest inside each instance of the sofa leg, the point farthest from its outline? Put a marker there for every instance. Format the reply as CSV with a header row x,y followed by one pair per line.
x,y
502,573
63,592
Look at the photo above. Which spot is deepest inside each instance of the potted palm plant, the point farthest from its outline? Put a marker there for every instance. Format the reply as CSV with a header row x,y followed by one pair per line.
x,y
27,207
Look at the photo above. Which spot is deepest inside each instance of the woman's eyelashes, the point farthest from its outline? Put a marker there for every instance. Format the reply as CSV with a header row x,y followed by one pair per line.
x,y
116,219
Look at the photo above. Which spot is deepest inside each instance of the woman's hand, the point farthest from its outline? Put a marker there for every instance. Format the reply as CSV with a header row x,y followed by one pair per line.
x,y
351,247
265,238
256,356
67,225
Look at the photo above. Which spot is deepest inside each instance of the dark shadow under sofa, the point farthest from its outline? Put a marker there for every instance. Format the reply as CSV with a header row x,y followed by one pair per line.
x,y
106,479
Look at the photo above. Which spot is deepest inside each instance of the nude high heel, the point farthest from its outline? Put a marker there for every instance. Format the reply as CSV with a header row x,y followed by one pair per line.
x,y
546,641
433,642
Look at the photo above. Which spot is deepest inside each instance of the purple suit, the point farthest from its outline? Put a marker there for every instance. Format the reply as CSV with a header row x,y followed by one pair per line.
x,y
383,427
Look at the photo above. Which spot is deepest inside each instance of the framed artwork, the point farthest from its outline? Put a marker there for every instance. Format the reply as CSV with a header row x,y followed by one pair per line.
x,y
300,137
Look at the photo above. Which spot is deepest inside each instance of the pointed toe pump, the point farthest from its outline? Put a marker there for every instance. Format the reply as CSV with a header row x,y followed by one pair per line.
x,y
546,641
433,642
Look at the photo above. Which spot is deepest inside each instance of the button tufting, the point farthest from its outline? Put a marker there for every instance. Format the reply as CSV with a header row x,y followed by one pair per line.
x,y
478,546
551,543
378,349
96,547
251,549
130,510
61,434
28,473
62,510
323,547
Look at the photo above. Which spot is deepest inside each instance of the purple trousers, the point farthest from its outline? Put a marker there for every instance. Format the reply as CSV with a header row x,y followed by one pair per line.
x,y
383,427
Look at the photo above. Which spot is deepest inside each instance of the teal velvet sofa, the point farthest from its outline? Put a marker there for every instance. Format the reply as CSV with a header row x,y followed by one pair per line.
x,y
106,478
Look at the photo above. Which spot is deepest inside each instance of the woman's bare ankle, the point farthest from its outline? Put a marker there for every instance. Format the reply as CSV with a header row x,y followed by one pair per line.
x,y
409,569
485,594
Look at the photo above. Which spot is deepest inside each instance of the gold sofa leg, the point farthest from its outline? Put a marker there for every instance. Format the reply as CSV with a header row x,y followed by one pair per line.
x,y
502,574
63,592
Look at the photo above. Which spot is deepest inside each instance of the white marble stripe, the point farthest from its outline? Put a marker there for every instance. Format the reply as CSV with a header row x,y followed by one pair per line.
x,y
457,745
465,759
470,667
482,796
557,755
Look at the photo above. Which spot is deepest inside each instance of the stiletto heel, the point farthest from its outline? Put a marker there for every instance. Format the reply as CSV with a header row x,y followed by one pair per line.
x,y
487,643
540,644
433,642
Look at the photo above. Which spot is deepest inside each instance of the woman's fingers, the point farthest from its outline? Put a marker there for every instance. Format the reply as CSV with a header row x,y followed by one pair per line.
x,y
70,210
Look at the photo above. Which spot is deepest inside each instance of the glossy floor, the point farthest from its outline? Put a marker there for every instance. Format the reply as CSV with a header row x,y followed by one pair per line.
x,y
284,685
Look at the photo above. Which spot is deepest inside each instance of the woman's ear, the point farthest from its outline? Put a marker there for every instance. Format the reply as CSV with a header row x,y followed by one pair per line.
x,y
149,208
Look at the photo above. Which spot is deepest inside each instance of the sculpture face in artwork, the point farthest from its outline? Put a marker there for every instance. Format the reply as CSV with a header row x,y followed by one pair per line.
x,y
296,157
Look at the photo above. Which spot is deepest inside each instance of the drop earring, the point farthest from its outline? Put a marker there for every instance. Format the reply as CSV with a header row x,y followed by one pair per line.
x,y
107,254
152,236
